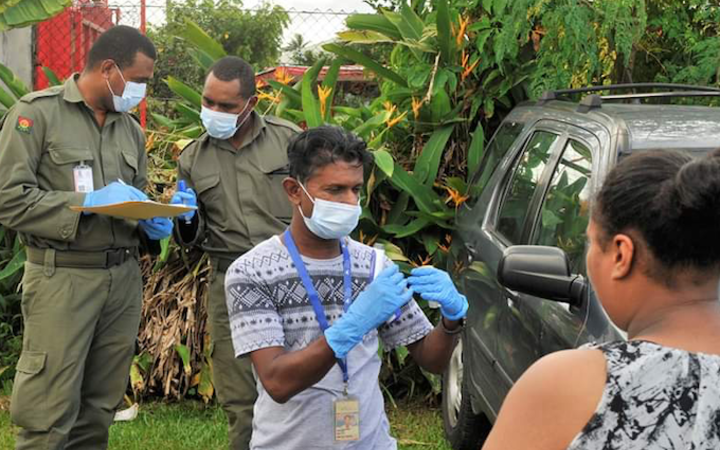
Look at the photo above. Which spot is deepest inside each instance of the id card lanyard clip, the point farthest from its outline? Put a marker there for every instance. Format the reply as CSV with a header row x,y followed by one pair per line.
x,y
315,298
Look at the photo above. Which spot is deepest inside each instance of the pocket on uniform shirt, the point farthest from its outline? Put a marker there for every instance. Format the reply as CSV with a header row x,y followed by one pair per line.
x,y
274,197
130,170
209,193
63,159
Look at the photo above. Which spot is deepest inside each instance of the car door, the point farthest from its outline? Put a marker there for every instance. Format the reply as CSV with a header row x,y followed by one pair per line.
x,y
483,248
517,325
561,222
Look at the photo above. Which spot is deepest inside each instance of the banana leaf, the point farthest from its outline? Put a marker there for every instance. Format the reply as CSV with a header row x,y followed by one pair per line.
x,y
16,14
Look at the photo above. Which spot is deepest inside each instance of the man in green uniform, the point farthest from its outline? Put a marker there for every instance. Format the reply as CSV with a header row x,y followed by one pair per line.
x,y
75,145
236,168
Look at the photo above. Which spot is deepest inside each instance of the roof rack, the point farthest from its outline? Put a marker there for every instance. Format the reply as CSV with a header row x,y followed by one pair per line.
x,y
595,101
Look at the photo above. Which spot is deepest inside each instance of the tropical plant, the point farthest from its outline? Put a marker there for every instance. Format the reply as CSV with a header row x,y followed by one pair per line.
x,y
254,35
22,13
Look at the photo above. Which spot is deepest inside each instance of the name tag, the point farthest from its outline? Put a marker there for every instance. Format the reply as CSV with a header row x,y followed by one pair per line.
x,y
347,420
83,176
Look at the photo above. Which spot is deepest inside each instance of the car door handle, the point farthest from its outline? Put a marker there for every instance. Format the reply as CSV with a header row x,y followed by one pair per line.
x,y
470,252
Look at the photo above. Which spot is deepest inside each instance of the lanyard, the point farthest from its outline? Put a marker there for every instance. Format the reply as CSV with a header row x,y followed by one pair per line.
x,y
312,293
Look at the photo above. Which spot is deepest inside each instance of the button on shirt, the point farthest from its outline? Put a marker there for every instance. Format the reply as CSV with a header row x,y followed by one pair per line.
x,y
240,194
44,136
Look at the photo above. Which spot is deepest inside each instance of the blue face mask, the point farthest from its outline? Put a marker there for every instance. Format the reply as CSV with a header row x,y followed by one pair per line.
x,y
331,220
132,95
221,125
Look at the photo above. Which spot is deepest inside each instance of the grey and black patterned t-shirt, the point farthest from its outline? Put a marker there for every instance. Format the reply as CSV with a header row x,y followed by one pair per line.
x,y
269,307
655,398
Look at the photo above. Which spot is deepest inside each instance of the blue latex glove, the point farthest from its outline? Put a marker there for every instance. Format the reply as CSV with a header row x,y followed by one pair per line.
x,y
114,192
187,198
370,309
157,228
436,285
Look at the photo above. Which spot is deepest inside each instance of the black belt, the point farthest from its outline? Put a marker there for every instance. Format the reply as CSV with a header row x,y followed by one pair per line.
x,y
95,260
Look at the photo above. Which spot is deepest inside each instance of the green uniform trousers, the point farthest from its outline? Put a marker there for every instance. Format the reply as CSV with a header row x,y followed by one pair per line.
x,y
233,377
79,340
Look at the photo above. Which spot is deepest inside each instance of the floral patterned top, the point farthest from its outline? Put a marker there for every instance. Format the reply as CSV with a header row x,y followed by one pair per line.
x,y
655,398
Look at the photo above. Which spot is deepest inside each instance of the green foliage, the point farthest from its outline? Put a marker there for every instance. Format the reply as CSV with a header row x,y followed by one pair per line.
x,y
253,35
22,13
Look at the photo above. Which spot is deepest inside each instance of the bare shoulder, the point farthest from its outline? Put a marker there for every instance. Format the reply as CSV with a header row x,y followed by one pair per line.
x,y
553,400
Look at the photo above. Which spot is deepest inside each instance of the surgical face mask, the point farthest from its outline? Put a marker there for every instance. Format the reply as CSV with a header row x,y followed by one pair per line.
x,y
221,125
132,95
331,220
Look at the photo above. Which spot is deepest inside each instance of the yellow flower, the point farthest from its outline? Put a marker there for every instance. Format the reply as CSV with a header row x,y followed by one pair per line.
x,y
282,76
389,107
269,97
464,22
467,70
323,95
416,105
426,261
392,122
455,197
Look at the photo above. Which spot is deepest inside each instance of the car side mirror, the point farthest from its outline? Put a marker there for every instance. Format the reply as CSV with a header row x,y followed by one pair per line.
x,y
540,271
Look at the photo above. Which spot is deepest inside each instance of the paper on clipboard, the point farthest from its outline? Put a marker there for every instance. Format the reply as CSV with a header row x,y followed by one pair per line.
x,y
136,210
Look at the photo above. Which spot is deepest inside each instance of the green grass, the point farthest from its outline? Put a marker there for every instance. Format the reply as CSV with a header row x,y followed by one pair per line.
x,y
190,425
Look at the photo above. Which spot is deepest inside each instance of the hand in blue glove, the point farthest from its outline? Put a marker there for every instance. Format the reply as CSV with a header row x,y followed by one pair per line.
x,y
187,198
113,193
157,228
370,309
435,285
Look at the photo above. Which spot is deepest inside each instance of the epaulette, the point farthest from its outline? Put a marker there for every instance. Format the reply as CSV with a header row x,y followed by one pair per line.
x,y
49,92
282,122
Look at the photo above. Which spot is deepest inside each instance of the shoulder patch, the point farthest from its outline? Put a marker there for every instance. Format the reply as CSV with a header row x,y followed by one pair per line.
x,y
282,122
24,124
49,92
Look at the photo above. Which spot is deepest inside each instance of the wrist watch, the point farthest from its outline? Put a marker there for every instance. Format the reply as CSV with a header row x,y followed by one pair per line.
x,y
456,330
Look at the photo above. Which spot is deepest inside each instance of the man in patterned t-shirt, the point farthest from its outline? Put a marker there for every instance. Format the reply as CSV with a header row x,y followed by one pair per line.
x,y
305,307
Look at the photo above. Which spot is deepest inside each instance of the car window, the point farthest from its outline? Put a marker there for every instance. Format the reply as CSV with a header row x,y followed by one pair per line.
x,y
527,175
566,206
499,146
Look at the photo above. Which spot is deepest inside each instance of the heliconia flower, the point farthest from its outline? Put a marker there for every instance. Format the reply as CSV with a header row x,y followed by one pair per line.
x,y
416,105
464,22
392,122
323,95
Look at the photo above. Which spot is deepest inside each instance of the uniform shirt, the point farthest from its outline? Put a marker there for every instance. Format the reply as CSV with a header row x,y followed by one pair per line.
x,y
269,307
240,194
44,136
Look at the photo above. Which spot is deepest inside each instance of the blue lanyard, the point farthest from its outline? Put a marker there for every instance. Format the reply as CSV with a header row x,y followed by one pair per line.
x,y
312,293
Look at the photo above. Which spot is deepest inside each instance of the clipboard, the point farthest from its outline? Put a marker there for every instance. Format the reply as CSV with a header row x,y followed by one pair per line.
x,y
136,210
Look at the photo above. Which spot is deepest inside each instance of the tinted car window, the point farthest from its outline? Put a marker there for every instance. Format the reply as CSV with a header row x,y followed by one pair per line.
x,y
566,207
527,174
500,144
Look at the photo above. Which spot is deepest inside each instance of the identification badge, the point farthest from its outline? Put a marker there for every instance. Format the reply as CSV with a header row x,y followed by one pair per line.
x,y
347,419
83,176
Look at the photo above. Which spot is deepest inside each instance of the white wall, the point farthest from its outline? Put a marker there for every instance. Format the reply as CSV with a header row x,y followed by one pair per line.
x,y
16,52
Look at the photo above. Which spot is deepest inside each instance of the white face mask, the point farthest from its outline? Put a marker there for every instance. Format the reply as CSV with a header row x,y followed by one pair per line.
x,y
331,220
221,125
132,95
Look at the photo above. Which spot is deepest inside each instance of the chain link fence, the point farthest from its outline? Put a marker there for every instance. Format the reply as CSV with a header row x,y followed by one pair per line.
x,y
62,43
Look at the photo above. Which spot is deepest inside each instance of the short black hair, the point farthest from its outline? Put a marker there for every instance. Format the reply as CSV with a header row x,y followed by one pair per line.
x,y
673,202
318,147
230,68
121,44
